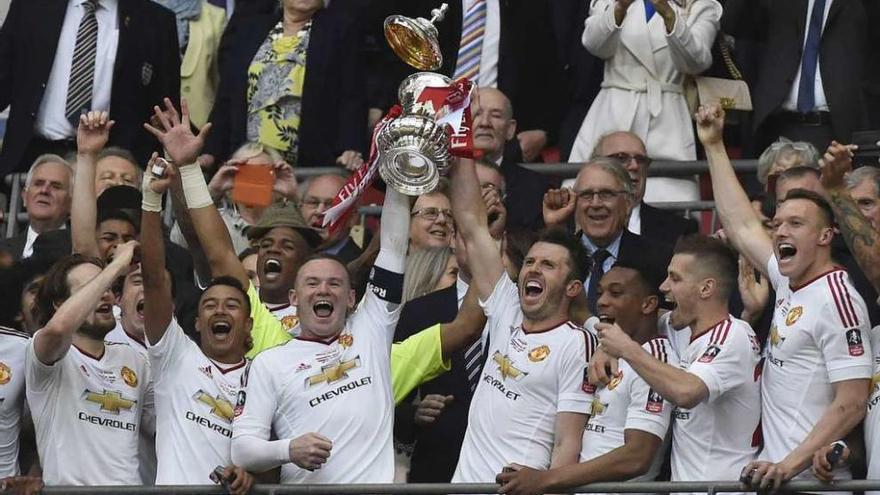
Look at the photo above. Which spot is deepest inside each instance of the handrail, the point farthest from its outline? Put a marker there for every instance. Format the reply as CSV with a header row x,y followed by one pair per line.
x,y
710,487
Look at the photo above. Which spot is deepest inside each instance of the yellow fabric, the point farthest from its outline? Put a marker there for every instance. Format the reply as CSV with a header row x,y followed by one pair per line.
x,y
414,361
199,73
275,88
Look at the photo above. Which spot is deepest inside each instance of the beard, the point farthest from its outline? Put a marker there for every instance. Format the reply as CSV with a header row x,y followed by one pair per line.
x,y
97,330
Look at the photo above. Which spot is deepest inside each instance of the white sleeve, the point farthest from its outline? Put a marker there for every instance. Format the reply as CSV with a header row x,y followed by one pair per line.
x,y
502,308
39,376
148,411
601,35
647,410
690,42
776,277
252,426
844,337
394,234
573,396
169,351
723,365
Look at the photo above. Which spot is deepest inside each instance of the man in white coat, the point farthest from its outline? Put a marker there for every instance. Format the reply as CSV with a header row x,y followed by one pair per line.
x,y
649,47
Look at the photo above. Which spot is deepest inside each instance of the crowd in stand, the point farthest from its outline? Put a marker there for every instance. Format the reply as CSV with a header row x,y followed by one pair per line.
x,y
161,327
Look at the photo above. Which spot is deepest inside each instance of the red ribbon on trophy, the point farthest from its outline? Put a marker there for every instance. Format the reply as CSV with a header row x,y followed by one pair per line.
x,y
455,111
359,181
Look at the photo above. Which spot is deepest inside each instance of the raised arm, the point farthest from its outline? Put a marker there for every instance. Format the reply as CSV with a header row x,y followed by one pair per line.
x,y
91,137
602,28
741,225
466,328
158,305
472,224
53,341
184,147
691,39
861,238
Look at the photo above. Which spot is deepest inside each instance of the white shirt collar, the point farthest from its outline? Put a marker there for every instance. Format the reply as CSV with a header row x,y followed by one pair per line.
x,y
613,248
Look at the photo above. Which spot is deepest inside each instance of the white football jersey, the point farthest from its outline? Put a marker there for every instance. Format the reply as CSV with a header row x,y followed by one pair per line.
x,y
87,413
195,397
527,379
119,336
819,336
872,420
13,345
718,437
340,389
286,314
629,403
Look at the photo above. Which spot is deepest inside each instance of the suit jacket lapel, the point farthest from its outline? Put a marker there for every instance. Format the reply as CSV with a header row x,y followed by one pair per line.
x,y
836,7
125,20
799,10
49,29
637,38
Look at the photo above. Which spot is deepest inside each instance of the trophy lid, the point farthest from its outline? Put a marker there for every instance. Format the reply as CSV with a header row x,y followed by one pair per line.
x,y
415,40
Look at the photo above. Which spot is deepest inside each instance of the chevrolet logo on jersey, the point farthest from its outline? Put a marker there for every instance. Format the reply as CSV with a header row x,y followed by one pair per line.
x,y
506,367
220,407
875,379
110,401
597,407
775,338
334,372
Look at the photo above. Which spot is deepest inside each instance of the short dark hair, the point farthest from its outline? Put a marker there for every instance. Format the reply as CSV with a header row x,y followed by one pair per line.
x,y
714,257
327,256
518,241
814,198
54,288
115,214
228,281
577,253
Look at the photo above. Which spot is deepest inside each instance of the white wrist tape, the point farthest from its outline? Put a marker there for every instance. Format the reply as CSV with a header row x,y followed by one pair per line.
x,y
150,200
195,189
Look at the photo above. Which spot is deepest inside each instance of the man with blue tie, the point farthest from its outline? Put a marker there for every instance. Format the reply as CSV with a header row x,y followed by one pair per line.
x,y
810,80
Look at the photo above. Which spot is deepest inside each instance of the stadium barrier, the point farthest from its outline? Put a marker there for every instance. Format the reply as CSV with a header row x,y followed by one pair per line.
x,y
709,487
660,168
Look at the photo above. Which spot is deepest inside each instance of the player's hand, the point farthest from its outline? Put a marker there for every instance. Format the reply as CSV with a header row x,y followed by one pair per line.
x,y
521,480
93,132
836,163
767,476
822,468
21,485
558,206
710,124
496,211
531,143
430,408
602,367
350,160
124,255
754,294
613,341
310,451
223,180
240,481
175,133
159,184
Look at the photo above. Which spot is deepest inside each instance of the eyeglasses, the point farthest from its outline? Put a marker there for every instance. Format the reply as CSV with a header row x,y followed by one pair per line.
x,y
641,160
431,214
604,195
317,203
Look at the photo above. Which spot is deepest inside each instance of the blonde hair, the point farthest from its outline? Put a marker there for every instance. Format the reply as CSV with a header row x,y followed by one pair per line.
x,y
251,150
424,268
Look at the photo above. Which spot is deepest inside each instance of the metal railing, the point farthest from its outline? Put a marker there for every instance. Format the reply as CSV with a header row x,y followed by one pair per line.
x,y
710,487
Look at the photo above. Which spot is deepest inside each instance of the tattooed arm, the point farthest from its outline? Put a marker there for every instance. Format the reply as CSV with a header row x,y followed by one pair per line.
x,y
863,240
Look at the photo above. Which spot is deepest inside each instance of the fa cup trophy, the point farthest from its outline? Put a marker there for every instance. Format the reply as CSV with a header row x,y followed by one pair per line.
x,y
414,148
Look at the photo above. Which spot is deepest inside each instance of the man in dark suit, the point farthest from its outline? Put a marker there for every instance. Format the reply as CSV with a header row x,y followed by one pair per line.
x,y
824,39
600,203
644,219
516,53
49,46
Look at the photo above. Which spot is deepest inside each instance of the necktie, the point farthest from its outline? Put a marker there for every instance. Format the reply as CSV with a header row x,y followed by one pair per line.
x,y
471,47
596,272
649,10
806,99
473,363
82,69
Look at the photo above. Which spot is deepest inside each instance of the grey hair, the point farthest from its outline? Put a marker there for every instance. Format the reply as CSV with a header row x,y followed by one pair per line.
x,y
807,154
250,149
116,151
603,137
304,185
614,168
861,174
42,160
424,268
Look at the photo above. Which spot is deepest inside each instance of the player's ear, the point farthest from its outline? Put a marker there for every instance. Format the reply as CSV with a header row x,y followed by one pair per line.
x,y
291,297
573,288
707,288
649,304
826,236
352,299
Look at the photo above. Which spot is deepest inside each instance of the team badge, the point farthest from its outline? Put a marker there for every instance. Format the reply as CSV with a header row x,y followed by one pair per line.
x,y
709,354
5,374
616,380
289,321
539,354
597,407
655,402
794,315
220,407
854,341
346,340
586,386
146,73
506,367
128,376
110,401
